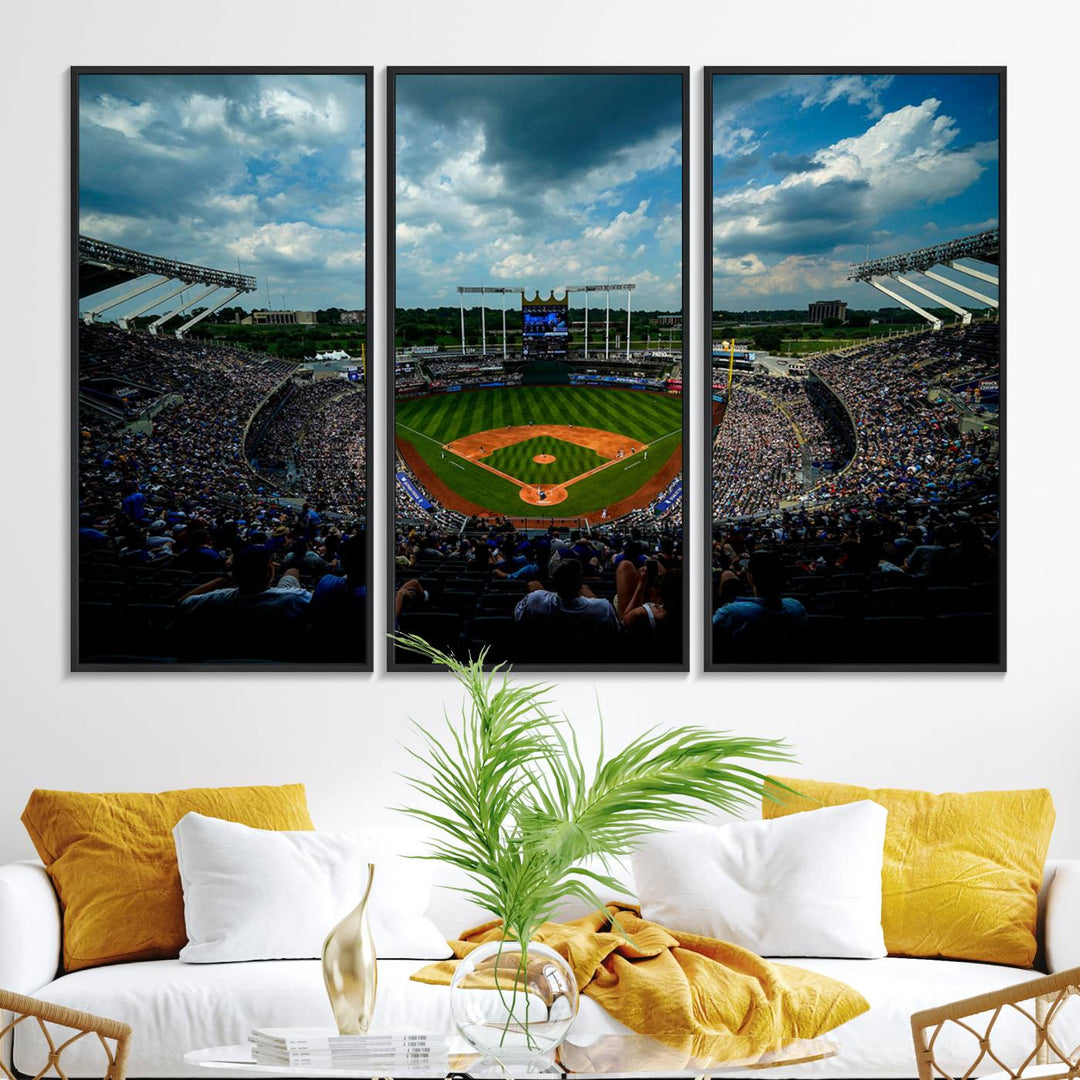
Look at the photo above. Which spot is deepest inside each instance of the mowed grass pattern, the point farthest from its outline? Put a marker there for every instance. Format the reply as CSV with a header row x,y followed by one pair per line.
x,y
428,423
570,460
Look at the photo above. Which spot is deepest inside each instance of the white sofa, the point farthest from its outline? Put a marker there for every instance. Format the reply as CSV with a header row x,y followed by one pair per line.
x,y
175,1007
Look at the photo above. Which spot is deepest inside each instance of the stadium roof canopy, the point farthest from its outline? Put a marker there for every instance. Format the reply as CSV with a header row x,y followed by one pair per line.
x,y
105,266
982,247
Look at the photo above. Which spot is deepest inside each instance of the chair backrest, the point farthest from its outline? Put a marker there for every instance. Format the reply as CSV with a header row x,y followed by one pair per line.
x,y
1034,1005
115,1037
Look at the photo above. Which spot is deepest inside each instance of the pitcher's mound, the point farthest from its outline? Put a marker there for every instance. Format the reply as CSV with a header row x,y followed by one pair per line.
x,y
544,459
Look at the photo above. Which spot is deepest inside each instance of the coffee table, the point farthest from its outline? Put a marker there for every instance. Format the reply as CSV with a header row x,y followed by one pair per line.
x,y
627,1056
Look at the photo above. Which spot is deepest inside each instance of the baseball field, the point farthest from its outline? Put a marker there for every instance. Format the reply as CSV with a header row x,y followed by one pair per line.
x,y
547,451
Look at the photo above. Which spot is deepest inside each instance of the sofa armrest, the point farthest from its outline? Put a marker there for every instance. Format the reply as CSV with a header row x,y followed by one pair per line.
x,y
1063,917
29,928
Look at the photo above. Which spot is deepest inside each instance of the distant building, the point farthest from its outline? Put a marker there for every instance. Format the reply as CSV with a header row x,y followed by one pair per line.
x,y
670,322
280,318
820,310
353,318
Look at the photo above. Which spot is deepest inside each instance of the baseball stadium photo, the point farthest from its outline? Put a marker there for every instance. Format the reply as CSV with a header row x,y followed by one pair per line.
x,y
538,408
220,352
855,413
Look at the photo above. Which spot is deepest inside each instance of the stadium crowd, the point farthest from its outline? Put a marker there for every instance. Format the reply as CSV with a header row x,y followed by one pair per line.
x,y
896,558
277,428
470,372
332,455
184,552
756,461
558,596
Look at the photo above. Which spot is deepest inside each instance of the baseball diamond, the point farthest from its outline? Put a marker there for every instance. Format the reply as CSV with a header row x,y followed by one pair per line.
x,y
580,450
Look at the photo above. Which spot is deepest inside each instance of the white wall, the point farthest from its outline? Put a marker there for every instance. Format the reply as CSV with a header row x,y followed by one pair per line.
x,y
342,735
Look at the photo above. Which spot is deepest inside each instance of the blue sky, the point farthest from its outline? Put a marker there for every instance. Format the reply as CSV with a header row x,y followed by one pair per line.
x,y
538,181
208,169
810,172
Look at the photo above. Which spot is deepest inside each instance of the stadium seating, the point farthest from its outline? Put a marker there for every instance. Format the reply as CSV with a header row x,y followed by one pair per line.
x,y
893,557
167,496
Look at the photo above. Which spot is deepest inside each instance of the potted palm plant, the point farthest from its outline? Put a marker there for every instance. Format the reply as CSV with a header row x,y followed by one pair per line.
x,y
514,805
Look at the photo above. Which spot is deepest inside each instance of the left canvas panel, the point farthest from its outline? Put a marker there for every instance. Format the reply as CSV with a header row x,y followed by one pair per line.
x,y
220,398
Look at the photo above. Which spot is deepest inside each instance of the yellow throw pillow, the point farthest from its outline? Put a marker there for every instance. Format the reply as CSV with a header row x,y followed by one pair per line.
x,y
113,863
961,872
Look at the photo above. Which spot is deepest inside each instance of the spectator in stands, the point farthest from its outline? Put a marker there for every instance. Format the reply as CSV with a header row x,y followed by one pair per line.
x,y
246,614
568,615
337,612
764,624
654,627
134,503
197,553
91,538
928,561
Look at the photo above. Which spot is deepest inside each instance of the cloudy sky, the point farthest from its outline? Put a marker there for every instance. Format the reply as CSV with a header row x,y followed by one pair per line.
x,y
539,181
811,170
208,169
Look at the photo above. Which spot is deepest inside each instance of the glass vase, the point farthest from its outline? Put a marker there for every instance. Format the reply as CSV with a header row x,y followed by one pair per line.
x,y
350,970
514,1004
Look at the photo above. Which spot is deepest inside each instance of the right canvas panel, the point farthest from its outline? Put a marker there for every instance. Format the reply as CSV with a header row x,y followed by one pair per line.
x,y
854,337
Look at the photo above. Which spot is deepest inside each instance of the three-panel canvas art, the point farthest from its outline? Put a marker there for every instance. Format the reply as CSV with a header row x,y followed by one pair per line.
x,y
535,365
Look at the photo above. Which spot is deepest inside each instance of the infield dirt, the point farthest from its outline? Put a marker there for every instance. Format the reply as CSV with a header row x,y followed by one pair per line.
x,y
607,444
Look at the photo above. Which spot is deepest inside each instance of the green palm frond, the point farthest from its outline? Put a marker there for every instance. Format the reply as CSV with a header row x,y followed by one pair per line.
x,y
517,809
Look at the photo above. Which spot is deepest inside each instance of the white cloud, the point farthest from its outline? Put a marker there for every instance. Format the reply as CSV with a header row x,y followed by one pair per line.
x,y
730,138
792,274
670,230
201,113
626,224
234,204
903,159
411,235
741,266
282,103
659,151
854,89
127,117
296,242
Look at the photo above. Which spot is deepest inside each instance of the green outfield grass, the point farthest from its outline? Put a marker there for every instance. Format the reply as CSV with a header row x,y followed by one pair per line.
x,y
429,423
570,460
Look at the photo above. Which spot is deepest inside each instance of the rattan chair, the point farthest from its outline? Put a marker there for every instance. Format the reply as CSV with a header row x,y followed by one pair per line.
x,y
1039,1002
108,1032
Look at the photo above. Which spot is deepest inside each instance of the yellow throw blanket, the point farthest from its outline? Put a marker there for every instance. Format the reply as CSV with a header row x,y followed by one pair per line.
x,y
707,999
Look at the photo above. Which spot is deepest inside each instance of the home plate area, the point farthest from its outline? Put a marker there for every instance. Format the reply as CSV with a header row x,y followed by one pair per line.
x,y
545,459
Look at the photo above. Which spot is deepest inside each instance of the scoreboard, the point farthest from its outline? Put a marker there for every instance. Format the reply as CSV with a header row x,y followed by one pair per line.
x,y
545,326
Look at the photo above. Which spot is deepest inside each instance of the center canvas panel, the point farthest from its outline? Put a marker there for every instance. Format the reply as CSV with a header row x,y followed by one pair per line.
x,y
535,321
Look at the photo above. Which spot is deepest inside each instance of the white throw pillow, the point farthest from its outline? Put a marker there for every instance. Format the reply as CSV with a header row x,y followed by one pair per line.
x,y
804,885
259,894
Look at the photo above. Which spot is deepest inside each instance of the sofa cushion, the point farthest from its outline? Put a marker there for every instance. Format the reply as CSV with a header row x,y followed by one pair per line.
x,y
272,894
112,860
805,885
961,872
175,1007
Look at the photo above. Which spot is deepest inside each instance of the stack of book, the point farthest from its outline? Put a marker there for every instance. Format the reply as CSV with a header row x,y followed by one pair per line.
x,y
323,1048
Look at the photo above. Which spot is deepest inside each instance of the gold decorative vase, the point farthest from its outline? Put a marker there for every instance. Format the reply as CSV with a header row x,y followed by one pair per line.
x,y
349,968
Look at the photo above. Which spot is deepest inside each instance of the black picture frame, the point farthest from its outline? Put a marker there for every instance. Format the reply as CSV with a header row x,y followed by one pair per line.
x,y
77,664
705,373
394,664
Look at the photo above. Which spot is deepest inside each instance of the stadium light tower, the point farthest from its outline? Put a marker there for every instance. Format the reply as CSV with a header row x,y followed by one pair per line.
x,y
482,289
607,290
